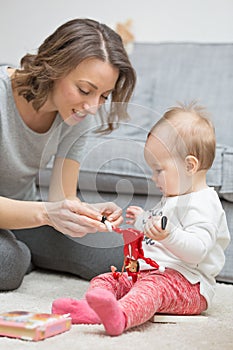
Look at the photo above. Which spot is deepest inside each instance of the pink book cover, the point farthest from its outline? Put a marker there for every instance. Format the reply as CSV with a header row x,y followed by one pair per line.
x,y
32,326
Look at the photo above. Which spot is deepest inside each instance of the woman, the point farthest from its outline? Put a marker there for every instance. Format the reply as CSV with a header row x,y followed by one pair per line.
x,y
44,105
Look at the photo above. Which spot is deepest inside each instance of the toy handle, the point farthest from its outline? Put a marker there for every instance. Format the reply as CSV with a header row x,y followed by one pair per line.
x,y
163,222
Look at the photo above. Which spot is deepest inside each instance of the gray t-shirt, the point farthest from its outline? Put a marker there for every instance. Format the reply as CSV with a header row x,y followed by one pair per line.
x,y
23,152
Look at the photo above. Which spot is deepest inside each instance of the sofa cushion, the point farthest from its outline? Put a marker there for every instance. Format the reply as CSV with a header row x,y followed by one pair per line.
x,y
116,165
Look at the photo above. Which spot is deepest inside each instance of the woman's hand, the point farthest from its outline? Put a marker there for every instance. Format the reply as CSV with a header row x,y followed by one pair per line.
x,y
73,217
153,228
76,219
132,213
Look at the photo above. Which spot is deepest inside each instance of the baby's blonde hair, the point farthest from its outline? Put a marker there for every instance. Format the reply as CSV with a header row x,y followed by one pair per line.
x,y
189,131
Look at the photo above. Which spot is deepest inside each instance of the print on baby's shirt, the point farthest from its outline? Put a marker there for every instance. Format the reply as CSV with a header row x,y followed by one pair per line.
x,y
152,212
148,241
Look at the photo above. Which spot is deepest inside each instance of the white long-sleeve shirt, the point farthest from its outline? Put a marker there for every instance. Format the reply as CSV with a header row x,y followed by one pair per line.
x,y
197,239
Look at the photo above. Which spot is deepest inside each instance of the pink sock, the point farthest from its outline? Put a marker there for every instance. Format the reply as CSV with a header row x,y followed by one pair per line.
x,y
107,308
79,310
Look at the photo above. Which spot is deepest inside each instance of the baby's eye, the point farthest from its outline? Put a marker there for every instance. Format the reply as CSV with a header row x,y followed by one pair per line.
x,y
158,171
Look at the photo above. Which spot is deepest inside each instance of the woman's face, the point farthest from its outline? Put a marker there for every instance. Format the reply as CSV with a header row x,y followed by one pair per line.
x,y
83,90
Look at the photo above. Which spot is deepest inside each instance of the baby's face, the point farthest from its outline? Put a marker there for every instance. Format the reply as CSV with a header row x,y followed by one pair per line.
x,y
169,170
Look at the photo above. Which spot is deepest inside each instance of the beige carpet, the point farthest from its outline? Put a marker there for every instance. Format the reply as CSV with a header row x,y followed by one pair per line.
x,y
40,288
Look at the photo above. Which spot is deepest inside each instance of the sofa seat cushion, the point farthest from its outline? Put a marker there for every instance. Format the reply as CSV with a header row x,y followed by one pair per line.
x,y
115,165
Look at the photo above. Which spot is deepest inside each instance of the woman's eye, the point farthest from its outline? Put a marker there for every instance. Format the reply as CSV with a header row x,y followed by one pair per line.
x,y
83,91
104,97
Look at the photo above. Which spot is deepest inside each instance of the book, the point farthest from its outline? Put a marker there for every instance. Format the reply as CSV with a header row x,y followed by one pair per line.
x,y
165,318
32,326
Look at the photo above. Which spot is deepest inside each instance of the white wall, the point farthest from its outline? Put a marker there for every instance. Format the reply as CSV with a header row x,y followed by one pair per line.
x,y
25,23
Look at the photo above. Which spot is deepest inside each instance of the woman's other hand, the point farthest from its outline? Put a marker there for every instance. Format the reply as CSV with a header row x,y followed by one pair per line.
x,y
76,219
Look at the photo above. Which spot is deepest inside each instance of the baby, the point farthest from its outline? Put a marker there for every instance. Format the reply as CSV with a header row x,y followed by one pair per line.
x,y
180,149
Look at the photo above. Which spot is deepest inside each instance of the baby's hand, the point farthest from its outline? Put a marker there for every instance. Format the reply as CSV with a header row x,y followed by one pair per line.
x,y
155,228
132,213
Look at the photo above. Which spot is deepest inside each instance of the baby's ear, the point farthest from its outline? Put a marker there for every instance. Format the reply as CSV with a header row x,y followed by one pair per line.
x,y
191,164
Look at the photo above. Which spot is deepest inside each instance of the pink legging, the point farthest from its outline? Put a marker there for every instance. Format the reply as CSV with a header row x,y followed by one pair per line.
x,y
154,292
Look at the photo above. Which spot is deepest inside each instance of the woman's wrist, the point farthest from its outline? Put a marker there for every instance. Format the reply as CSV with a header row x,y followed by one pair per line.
x,y
42,217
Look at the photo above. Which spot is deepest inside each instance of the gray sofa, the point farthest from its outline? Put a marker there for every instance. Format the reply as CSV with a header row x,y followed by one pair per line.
x,y
113,167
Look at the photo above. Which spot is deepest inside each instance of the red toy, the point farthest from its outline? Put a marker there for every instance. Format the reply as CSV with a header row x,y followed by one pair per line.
x,y
132,252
